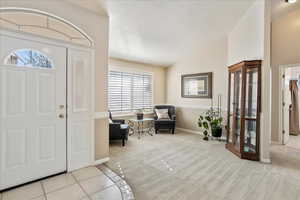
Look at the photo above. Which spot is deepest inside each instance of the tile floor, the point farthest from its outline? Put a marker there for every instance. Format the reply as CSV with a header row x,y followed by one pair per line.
x,y
85,184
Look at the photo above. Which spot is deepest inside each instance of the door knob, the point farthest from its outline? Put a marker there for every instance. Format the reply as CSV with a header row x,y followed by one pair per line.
x,y
61,116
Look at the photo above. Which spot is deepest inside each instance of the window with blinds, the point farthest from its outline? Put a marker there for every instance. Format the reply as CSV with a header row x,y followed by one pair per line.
x,y
129,92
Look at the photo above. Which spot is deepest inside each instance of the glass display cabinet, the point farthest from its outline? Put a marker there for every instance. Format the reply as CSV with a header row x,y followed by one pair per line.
x,y
243,123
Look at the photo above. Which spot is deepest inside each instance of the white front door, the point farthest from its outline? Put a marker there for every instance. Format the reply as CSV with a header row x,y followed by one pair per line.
x,y
286,99
80,100
32,110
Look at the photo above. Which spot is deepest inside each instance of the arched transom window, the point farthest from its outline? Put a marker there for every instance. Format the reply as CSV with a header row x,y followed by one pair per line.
x,y
28,58
43,24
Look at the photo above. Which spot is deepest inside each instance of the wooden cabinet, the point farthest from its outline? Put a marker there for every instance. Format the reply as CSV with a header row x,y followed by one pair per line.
x,y
243,123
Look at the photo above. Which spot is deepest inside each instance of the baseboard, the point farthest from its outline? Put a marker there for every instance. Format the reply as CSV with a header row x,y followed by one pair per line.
x,y
101,161
275,143
267,160
189,131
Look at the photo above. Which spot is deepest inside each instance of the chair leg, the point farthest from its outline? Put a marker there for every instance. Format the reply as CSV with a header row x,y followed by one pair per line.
x,y
156,131
123,142
173,131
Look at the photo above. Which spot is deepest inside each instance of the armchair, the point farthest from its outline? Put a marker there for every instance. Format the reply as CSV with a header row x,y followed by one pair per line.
x,y
165,123
118,130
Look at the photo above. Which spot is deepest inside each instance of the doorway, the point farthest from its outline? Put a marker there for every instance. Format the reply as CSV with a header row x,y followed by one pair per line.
x,y
33,122
47,104
289,106
46,97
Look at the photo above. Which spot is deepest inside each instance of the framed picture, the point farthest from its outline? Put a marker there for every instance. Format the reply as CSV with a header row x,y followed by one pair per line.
x,y
196,85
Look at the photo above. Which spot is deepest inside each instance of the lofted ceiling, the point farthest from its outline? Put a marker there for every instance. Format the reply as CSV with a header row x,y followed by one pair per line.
x,y
157,31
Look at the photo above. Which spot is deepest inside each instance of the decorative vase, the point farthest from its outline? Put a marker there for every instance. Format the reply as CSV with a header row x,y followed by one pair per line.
x,y
140,116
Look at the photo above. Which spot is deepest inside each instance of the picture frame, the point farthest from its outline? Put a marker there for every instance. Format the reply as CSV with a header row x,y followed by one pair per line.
x,y
197,85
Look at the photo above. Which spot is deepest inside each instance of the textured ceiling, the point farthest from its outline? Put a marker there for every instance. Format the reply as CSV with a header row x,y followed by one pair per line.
x,y
157,31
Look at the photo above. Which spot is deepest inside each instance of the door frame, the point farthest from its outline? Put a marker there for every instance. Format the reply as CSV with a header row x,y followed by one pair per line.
x,y
67,45
280,105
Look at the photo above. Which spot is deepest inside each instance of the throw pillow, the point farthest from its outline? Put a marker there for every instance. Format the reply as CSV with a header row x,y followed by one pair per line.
x,y
162,114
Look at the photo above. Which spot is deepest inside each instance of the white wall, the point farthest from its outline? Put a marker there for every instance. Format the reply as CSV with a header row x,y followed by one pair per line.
x,y
209,56
250,40
285,51
246,40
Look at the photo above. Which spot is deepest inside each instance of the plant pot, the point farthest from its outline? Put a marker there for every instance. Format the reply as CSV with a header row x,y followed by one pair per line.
x,y
216,132
140,116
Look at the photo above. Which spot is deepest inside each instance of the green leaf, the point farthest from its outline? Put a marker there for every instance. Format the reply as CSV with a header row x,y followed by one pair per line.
x,y
208,118
205,125
200,124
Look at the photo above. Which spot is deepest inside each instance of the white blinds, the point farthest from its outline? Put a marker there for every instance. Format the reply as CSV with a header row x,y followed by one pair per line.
x,y
129,91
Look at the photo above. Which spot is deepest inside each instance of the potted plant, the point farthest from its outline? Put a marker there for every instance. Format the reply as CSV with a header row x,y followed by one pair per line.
x,y
211,121
216,127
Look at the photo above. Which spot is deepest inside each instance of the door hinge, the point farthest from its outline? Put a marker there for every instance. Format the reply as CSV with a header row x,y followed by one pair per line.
x,y
283,132
283,76
283,103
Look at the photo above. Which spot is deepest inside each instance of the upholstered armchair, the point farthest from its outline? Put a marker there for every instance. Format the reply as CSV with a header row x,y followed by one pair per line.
x,y
118,130
167,124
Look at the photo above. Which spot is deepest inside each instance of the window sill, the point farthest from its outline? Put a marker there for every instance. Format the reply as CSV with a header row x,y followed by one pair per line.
x,y
116,115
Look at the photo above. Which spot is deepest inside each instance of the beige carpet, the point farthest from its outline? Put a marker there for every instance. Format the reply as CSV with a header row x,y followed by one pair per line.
x,y
184,167
294,142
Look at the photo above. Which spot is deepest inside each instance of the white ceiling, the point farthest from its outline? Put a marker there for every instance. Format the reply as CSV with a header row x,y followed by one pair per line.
x,y
156,31
280,8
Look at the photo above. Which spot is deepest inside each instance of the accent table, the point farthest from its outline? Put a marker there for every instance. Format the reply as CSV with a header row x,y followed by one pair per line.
x,y
138,126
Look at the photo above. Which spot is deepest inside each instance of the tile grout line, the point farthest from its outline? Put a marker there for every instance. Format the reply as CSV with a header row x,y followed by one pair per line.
x,y
44,191
113,182
75,183
60,188
104,188
78,183
64,187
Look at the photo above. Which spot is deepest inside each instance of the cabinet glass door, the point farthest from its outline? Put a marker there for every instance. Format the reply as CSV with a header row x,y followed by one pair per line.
x,y
243,125
251,110
235,109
